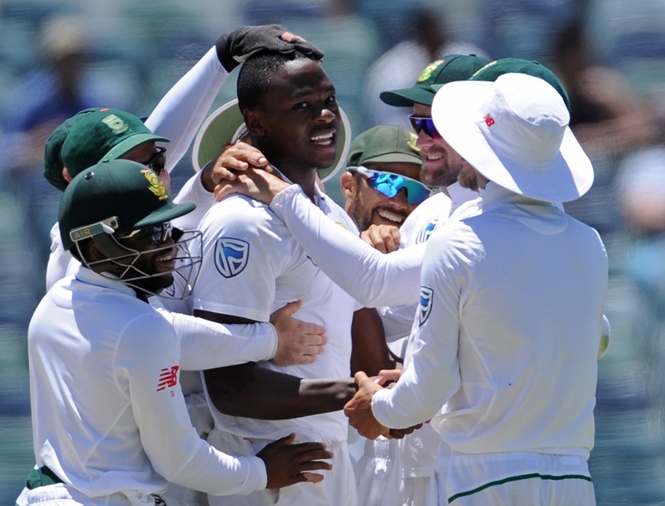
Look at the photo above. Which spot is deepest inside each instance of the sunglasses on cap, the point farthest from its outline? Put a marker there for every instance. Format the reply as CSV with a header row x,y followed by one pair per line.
x,y
157,233
158,161
390,184
425,124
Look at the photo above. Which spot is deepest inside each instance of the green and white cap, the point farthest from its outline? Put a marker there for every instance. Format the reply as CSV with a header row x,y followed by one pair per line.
x,y
105,134
114,197
226,125
454,67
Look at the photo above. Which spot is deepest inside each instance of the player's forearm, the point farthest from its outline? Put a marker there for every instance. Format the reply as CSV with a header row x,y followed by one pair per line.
x,y
254,392
372,278
180,113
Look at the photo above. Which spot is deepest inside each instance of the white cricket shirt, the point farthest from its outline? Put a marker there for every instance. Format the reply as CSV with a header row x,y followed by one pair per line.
x,y
507,332
252,265
108,413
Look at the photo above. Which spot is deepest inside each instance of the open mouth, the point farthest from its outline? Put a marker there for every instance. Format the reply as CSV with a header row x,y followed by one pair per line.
x,y
326,139
396,219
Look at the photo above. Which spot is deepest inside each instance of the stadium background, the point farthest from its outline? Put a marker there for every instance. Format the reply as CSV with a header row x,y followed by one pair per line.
x,y
139,49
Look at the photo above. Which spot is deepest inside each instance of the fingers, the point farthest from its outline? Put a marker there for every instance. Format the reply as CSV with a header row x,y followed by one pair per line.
x,y
384,238
387,376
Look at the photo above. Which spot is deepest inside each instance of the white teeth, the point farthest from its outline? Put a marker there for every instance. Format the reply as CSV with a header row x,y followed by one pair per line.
x,y
433,157
323,139
165,258
390,216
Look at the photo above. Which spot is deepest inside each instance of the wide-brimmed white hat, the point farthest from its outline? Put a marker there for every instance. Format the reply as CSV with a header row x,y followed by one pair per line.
x,y
226,125
515,132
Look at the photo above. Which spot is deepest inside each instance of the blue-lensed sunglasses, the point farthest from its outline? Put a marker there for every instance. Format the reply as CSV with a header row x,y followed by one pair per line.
x,y
425,124
390,184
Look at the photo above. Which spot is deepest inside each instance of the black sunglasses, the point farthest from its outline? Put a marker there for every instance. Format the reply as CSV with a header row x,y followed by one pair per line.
x,y
158,161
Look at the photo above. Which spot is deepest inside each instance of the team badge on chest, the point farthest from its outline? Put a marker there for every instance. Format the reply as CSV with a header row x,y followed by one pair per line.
x,y
425,306
231,256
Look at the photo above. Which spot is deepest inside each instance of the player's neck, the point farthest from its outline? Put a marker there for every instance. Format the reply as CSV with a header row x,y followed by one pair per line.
x,y
305,178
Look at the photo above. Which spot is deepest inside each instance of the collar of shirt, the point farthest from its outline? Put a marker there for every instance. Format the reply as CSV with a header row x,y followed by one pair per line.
x,y
459,195
90,277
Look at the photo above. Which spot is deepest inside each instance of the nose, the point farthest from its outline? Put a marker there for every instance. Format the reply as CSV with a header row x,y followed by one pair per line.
x,y
423,139
401,199
326,116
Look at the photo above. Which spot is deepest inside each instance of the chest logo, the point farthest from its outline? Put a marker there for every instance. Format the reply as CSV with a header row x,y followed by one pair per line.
x,y
231,256
427,230
425,306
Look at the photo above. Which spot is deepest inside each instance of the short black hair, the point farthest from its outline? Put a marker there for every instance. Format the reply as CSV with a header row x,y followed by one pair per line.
x,y
254,77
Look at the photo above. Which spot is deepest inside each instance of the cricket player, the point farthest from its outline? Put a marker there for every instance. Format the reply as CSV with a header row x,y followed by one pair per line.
x,y
110,424
511,302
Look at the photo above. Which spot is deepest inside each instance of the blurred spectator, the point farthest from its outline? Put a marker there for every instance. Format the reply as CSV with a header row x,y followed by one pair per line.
x,y
399,67
608,116
641,190
41,101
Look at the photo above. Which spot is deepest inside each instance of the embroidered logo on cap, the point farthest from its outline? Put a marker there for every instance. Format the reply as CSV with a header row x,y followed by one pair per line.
x,y
429,70
156,185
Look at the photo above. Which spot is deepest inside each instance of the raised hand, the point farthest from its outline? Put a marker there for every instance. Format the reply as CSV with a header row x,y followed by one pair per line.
x,y
298,342
288,463
384,238
255,183
237,46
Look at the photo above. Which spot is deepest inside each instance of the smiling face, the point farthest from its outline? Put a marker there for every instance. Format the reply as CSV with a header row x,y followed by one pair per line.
x,y
441,166
296,120
156,261
368,206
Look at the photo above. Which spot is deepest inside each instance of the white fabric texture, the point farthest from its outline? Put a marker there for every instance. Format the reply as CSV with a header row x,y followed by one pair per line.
x,y
371,277
336,488
512,301
125,428
252,266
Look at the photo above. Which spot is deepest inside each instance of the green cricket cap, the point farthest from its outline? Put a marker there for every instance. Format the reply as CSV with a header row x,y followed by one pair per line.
x,y
384,144
519,66
454,67
122,194
105,134
53,163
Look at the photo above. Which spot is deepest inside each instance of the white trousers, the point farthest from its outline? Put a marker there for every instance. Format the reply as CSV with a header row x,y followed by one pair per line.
x,y
511,479
62,495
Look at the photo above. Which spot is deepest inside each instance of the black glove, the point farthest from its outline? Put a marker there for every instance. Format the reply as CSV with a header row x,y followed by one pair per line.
x,y
235,47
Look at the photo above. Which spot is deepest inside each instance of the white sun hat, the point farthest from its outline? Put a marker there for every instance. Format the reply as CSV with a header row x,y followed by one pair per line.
x,y
226,125
514,131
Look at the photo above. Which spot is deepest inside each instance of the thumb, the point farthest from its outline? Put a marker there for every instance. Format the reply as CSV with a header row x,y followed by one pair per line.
x,y
223,190
360,377
286,440
291,307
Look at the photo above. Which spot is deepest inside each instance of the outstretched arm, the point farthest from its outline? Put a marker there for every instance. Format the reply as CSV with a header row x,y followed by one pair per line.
x,y
251,391
371,277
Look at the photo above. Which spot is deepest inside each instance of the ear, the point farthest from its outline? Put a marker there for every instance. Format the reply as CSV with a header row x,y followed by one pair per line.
x,y
348,184
254,122
65,175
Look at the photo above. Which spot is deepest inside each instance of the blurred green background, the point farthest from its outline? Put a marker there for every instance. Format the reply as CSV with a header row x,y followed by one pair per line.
x,y
134,51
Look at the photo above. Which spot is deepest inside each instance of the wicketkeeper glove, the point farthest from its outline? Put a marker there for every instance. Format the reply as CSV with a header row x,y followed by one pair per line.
x,y
237,46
